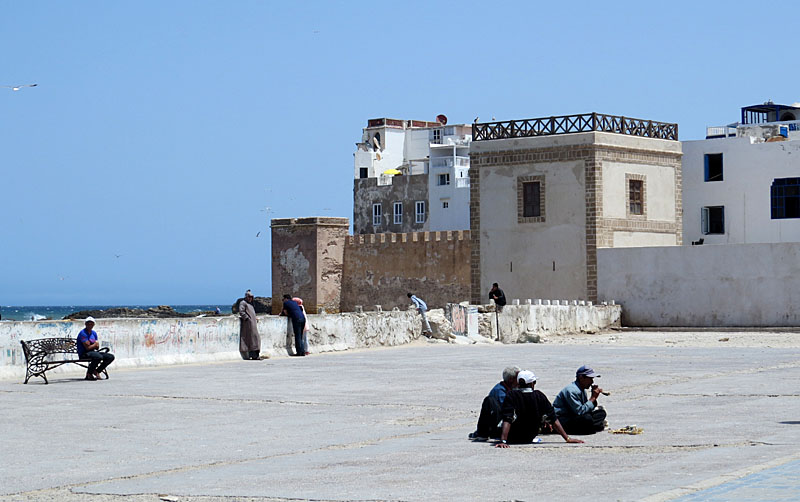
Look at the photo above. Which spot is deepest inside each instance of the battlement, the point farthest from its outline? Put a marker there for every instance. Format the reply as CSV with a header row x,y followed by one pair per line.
x,y
444,235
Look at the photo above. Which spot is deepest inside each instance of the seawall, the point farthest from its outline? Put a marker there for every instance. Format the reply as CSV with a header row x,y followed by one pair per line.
x,y
152,342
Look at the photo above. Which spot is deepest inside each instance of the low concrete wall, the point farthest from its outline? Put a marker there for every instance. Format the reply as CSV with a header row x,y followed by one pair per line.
x,y
522,323
150,342
709,285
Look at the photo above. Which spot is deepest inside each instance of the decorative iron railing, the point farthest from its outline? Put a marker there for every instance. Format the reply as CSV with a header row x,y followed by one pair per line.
x,y
568,124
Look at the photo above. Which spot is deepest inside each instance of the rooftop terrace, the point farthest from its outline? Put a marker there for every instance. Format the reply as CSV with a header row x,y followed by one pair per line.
x,y
569,124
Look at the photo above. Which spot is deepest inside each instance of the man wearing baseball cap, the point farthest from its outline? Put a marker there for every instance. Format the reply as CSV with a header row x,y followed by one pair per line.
x,y
524,409
89,348
578,413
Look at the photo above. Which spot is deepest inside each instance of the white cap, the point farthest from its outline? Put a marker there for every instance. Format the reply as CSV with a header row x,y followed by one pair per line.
x,y
526,376
89,319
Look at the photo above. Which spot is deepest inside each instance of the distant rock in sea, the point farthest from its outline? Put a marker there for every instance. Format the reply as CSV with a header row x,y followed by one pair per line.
x,y
162,311
261,304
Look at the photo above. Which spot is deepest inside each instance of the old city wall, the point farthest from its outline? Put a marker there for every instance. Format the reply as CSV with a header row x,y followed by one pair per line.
x,y
379,269
152,342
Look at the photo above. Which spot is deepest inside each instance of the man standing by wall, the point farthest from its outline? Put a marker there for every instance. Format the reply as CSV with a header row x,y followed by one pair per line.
x,y
249,340
295,313
422,307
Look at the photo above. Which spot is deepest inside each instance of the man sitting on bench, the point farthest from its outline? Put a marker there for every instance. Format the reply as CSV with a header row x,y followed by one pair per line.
x,y
89,348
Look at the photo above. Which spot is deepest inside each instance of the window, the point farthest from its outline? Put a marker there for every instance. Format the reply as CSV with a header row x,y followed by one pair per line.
x,y
712,220
420,212
444,179
785,198
377,214
436,136
445,204
636,204
398,213
531,199
713,168
363,172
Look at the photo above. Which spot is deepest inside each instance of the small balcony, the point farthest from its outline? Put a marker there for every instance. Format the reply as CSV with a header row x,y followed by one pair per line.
x,y
450,162
462,182
720,132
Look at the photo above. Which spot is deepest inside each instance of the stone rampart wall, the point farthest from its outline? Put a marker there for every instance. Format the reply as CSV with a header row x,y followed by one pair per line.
x,y
379,269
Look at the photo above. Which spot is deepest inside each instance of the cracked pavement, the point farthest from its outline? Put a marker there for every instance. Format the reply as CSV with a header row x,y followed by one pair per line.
x,y
391,425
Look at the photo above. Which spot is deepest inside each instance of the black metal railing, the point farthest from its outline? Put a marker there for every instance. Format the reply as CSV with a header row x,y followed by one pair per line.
x,y
568,124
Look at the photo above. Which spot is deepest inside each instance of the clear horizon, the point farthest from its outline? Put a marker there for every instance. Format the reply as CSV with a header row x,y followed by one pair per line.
x,y
163,136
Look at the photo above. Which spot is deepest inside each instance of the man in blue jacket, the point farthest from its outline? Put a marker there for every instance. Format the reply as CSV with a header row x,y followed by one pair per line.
x,y
89,348
577,413
295,313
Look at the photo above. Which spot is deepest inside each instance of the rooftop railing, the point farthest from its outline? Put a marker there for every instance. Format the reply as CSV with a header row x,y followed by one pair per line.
x,y
569,124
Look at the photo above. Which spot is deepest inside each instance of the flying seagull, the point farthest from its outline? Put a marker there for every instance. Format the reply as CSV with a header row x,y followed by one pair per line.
x,y
18,87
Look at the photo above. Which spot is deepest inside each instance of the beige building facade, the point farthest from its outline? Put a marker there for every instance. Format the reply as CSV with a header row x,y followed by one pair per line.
x,y
547,193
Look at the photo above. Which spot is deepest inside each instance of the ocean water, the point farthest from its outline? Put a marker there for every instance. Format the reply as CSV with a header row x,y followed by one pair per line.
x,y
40,313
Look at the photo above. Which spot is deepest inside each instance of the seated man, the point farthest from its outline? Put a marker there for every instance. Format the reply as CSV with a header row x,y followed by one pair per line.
x,y
490,421
577,413
523,412
89,348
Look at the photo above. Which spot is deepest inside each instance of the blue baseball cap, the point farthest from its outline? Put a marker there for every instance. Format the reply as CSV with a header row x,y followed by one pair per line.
x,y
586,371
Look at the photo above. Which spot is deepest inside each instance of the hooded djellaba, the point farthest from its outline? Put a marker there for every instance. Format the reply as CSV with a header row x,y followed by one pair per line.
x,y
249,340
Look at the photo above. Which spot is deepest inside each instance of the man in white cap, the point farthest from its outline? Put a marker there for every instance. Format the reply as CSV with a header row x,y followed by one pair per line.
x,y
89,348
524,410
580,414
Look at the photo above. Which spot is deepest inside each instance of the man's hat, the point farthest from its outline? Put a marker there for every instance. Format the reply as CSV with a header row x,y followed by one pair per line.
x,y
586,371
526,376
89,319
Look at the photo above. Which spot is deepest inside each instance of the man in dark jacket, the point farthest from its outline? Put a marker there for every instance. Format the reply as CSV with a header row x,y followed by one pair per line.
x,y
295,313
490,420
498,296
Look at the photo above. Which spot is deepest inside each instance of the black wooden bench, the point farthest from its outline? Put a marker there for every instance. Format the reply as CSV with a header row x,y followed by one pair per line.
x,y
45,354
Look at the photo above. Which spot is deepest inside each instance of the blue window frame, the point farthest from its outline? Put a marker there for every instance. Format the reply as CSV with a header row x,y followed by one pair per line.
x,y
785,198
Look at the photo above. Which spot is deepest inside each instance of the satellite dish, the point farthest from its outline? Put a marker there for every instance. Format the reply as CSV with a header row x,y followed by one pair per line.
x,y
442,119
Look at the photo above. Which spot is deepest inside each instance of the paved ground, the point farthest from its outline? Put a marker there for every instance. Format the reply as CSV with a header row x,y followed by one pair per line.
x,y
721,422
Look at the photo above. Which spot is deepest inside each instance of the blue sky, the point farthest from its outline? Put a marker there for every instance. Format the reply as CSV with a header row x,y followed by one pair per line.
x,y
160,131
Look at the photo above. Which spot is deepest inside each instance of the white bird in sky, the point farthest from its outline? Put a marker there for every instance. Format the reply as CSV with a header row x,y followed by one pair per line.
x,y
18,87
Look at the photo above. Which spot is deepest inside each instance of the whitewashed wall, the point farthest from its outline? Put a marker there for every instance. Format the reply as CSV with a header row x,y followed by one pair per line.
x,y
748,171
519,323
709,285
150,342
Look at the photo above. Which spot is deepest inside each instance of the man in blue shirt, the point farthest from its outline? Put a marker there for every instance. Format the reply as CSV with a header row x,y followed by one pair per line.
x,y
490,422
295,313
422,307
89,348
577,413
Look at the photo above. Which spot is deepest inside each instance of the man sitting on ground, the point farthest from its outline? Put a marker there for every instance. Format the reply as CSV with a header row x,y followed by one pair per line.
x,y
577,413
490,421
89,348
523,412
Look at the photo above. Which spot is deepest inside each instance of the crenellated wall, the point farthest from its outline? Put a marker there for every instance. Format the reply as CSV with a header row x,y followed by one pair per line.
x,y
379,269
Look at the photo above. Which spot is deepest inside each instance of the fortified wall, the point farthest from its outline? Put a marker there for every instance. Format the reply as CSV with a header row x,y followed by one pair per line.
x,y
316,259
379,269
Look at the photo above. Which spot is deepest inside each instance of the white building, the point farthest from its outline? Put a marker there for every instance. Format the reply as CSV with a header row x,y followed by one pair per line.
x,y
411,175
742,183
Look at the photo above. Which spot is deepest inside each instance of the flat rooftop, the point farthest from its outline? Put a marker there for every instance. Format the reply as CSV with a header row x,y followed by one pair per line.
x,y
720,412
